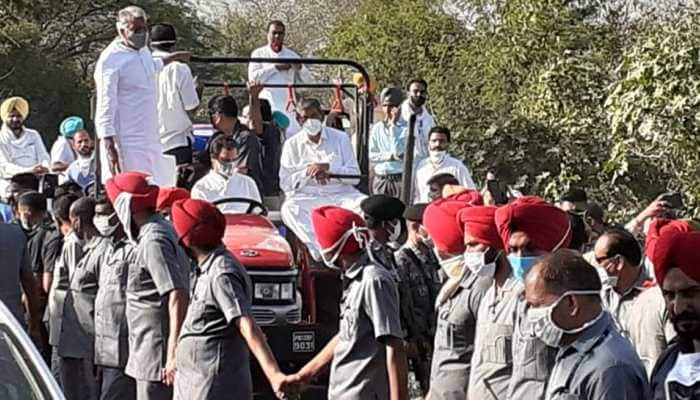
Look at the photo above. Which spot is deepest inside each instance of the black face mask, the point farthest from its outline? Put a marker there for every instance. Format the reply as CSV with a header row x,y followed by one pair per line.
x,y
418,101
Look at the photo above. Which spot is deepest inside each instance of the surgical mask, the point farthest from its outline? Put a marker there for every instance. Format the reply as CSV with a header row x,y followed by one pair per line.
x,y
418,101
395,232
607,280
313,126
137,40
453,266
437,156
521,266
542,326
226,168
26,224
476,262
103,226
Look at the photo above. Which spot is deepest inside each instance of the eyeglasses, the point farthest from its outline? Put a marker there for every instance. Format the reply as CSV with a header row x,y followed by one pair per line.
x,y
600,260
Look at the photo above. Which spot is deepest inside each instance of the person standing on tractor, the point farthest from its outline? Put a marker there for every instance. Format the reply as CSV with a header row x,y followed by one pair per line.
x,y
177,97
415,104
126,113
387,141
367,356
281,99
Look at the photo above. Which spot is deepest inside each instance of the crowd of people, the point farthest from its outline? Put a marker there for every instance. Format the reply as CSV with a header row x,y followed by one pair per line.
x,y
130,293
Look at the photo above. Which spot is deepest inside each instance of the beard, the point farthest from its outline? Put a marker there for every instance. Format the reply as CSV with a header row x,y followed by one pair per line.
x,y
687,325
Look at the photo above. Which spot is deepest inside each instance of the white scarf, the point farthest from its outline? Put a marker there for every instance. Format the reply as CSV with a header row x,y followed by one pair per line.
x,y
122,206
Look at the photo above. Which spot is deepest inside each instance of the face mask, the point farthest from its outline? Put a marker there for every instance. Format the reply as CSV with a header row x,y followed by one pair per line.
x,y
418,101
437,156
453,266
395,232
521,266
476,262
226,168
137,40
313,126
26,225
543,327
103,226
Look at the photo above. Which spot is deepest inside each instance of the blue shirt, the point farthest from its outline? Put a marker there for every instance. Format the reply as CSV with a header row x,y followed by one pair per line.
x,y
386,141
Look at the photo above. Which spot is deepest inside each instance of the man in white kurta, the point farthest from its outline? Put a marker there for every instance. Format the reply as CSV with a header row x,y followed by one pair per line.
x,y
308,159
126,116
21,148
284,74
415,104
439,162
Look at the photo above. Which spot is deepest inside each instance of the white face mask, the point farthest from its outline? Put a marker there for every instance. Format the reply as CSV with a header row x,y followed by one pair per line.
x,y
103,226
542,325
476,262
437,156
453,266
26,225
313,126
226,168
394,231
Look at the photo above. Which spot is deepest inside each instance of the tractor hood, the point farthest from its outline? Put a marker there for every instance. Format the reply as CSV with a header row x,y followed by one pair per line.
x,y
256,243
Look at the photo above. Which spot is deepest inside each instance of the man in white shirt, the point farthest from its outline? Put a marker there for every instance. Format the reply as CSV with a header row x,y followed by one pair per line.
x,y
278,73
308,161
177,97
126,114
223,180
62,153
415,104
21,148
82,170
439,162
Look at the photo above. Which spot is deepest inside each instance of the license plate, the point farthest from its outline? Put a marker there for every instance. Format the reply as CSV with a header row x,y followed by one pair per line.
x,y
303,342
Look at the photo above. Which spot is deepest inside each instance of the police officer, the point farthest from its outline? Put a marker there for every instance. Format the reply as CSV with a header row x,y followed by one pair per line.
x,y
111,332
212,356
492,362
157,287
367,356
593,362
77,330
457,302
417,267
530,228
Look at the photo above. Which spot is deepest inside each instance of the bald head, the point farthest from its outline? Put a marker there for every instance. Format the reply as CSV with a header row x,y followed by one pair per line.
x,y
563,271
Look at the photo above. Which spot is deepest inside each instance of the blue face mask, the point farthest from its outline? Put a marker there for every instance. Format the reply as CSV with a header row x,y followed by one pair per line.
x,y
521,265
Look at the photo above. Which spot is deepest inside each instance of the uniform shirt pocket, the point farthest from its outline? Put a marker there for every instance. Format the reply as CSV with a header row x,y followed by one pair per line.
x,y
348,323
534,358
500,342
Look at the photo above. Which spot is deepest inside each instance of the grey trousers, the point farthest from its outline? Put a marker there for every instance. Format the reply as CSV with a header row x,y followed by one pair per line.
x,y
78,379
149,390
389,185
116,385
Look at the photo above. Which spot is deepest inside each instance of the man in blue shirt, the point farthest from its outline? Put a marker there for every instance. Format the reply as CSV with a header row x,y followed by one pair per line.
x,y
386,145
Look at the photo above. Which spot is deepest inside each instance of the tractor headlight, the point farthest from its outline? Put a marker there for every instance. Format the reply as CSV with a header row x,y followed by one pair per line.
x,y
267,291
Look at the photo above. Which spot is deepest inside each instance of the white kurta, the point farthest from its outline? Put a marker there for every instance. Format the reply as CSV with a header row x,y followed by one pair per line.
x,y
213,186
268,73
304,194
125,81
62,151
424,122
177,94
427,169
19,155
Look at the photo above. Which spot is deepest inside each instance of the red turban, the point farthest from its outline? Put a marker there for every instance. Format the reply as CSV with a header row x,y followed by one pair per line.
x,y
677,250
143,194
440,220
478,222
662,226
548,227
471,196
169,195
333,226
198,222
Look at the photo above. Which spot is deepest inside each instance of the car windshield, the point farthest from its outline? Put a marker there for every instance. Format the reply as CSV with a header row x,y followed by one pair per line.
x,y
17,379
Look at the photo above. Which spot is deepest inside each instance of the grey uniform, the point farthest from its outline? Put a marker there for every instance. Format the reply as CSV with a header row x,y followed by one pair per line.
x,y
599,365
454,339
71,254
14,262
212,356
369,312
78,328
492,362
648,327
160,267
618,305
532,359
111,333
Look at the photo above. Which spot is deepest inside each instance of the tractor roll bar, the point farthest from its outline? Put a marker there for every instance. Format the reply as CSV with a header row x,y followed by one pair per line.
x,y
280,85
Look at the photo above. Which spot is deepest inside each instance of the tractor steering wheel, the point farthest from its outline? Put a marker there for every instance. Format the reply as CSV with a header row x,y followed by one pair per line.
x,y
252,204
